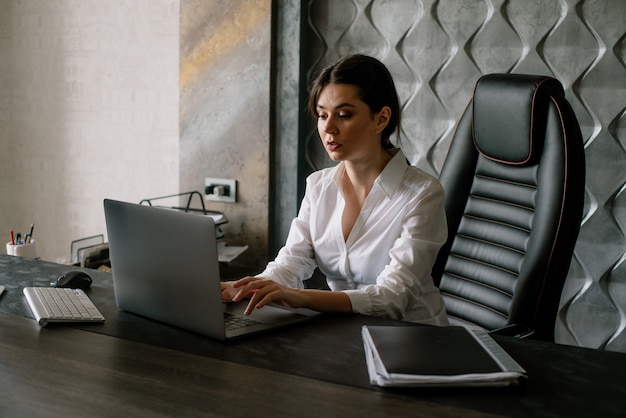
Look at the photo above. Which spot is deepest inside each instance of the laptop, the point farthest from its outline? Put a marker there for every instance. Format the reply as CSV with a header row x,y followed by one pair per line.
x,y
165,267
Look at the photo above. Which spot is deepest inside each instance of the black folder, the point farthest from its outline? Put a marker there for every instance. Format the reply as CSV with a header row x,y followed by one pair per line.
x,y
437,356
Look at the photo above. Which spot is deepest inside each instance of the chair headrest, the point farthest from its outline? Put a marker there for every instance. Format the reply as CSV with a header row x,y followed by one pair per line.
x,y
510,114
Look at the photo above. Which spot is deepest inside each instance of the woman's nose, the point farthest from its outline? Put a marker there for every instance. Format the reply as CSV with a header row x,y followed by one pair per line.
x,y
328,125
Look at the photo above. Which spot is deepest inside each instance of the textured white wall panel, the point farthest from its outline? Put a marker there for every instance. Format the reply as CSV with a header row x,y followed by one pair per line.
x,y
88,110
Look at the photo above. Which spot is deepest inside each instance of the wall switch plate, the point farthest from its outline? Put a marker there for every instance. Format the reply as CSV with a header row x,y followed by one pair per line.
x,y
220,190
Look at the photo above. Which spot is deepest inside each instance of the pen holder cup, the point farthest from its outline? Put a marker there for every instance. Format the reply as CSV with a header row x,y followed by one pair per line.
x,y
24,250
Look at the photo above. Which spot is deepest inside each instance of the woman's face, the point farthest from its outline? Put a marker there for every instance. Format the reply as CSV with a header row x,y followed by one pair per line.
x,y
346,125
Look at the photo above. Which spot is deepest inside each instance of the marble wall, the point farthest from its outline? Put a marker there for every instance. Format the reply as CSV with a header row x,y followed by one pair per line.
x,y
437,49
224,111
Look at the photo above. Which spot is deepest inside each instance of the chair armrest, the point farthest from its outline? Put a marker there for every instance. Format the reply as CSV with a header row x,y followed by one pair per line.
x,y
514,330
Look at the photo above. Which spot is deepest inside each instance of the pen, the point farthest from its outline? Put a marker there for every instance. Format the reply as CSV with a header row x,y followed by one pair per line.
x,y
30,233
12,238
18,238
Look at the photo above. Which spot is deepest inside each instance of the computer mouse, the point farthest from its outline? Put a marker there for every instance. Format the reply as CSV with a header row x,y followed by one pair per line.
x,y
73,280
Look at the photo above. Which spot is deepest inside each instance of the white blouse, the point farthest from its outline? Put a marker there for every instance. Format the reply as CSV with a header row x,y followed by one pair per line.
x,y
384,266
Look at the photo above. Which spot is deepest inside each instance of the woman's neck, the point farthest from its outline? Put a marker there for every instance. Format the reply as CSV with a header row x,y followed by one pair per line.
x,y
360,175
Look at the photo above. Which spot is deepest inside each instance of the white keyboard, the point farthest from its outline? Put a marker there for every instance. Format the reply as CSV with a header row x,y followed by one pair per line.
x,y
53,304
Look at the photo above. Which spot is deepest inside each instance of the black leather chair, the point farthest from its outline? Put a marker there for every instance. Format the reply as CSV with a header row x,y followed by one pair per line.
x,y
514,179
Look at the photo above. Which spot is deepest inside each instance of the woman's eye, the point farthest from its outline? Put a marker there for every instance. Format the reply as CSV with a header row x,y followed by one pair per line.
x,y
342,116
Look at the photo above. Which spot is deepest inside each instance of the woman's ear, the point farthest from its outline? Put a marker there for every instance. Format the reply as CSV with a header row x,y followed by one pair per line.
x,y
382,118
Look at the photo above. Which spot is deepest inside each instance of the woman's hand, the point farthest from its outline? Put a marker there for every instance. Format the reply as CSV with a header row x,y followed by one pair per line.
x,y
262,291
228,291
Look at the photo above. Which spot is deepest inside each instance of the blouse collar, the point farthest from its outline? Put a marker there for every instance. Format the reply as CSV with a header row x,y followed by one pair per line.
x,y
389,179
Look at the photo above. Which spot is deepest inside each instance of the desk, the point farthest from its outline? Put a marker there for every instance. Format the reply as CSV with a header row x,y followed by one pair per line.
x,y
132,365
67,372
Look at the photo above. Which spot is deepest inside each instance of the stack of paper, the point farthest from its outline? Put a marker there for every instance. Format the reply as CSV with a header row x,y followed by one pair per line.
x,y
437,356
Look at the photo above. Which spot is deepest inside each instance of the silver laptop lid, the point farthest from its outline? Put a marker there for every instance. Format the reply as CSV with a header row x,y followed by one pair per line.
x,y
165,266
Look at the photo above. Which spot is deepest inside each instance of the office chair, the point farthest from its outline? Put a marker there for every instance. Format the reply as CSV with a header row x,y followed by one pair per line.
x,y
514,179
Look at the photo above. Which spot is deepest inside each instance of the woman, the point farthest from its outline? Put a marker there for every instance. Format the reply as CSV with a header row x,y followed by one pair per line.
x,y
372,224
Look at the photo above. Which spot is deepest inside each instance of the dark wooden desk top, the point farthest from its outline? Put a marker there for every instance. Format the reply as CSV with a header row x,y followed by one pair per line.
x,y
65,372
323,358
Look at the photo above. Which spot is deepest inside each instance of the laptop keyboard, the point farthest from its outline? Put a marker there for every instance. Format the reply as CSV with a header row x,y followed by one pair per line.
x,y
233,322
53,304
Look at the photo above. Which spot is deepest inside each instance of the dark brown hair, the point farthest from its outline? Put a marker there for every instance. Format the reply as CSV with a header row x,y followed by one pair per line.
x,y
373,82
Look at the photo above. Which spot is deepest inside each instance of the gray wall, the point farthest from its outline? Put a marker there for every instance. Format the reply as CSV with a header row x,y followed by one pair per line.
x,y
436,51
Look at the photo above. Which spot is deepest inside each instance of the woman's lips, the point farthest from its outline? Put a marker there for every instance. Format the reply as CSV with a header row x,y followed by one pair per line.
x,y
332,146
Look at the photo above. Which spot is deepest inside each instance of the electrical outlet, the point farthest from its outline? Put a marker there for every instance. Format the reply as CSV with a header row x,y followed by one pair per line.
x,y
220,190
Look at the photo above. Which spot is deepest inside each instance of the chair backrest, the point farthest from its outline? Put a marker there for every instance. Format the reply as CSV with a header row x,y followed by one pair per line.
x,y
514,179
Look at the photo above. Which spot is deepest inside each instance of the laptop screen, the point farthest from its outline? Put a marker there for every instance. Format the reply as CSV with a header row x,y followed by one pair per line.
x,y
165,266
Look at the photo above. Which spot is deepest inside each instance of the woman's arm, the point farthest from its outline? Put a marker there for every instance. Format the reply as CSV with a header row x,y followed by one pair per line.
x,y
262,291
